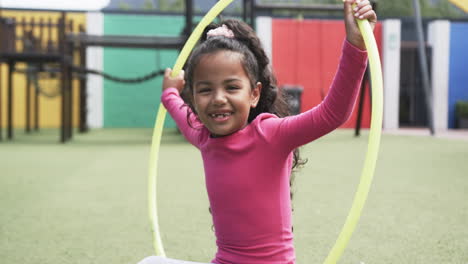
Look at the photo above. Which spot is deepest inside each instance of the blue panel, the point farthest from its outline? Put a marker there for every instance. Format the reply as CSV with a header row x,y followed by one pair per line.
x,y
458,75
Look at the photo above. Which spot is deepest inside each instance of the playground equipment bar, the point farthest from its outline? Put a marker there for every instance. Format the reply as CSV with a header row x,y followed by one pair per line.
x,y
298,7
127,41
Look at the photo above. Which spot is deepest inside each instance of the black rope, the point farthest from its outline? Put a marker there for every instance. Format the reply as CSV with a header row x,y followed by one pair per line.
x,y
35,79
81,70
32,73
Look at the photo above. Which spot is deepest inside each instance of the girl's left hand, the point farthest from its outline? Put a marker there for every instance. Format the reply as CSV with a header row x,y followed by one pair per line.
x,y
362,10
177,82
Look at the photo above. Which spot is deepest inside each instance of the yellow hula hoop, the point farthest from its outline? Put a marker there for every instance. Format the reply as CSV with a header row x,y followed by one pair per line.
x,y
369,164
372,146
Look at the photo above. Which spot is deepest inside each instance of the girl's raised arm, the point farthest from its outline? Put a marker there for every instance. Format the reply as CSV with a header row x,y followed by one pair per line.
x,y
179,111
294,131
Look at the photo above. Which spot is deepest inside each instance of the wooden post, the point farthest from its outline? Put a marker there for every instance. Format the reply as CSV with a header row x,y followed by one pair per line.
x,y
33,39
69,56
1,105
1,112
83,88
36,92
26,48
50,45
28,101
2,49
63,82
23,33
11,66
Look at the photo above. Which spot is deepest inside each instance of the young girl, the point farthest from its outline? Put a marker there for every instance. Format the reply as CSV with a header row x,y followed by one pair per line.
x,y
233,113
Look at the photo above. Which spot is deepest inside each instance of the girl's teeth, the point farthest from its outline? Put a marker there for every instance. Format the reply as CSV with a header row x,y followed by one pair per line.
x,y
221,115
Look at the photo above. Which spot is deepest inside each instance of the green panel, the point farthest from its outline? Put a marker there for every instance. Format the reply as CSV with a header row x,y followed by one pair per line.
x,y
136,105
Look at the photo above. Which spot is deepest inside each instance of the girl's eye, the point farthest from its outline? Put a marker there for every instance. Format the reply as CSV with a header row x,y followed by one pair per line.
x,y
204,90
232,88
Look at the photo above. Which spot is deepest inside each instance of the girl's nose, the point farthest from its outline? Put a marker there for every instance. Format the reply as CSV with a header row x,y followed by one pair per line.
x,y
219,98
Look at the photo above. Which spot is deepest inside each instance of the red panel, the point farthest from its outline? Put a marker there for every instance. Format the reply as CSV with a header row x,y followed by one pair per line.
x,y
284,57
309,63
332,37
307,53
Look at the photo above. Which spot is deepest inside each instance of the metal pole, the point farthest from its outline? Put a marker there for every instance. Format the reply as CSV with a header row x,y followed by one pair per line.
x,y
1,72
36,108
62,44
11,66
69,53
36,92
28,100
1,114
252,13
423,64
362,95
244,10
70,91
188,18
83,89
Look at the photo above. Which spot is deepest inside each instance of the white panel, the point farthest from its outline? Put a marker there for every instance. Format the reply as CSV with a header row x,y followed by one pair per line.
x,y
439,38
264,32
94,60
391,72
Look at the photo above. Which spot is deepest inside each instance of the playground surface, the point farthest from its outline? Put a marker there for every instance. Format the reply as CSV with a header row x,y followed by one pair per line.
x,y
85,201
456,134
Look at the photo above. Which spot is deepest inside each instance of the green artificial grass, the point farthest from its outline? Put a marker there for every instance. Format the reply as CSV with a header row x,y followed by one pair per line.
x,y
85,201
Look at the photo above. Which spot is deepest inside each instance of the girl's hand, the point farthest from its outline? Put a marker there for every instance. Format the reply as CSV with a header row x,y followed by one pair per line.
x,y
362,10
176,82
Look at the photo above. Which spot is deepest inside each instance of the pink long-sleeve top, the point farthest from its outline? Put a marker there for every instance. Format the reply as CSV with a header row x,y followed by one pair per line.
x,y
247,173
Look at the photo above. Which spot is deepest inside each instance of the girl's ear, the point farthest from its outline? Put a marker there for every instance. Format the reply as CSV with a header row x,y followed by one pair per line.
x,y
255,95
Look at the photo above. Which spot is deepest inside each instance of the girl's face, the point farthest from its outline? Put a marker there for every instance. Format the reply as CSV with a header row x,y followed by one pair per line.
x,y
222,92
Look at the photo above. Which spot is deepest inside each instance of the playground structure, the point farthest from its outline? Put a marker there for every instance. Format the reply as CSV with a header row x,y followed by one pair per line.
x,y
32,42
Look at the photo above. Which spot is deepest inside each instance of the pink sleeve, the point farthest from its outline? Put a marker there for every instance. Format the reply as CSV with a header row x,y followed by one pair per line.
x,y
178,111
332,112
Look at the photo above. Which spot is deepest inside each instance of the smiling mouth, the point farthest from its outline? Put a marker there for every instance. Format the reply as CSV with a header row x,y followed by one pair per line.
x,y
221,117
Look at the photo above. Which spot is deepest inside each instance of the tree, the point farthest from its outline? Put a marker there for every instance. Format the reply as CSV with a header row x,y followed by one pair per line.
x,y
148,5
404,8
446,10
124,6
172,5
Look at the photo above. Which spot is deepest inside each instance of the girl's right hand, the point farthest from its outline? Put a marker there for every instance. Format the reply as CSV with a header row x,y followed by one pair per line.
x,y
362,10
173,82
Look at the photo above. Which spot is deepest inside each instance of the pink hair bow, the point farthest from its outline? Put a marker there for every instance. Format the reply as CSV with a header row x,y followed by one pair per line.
x,y
221,31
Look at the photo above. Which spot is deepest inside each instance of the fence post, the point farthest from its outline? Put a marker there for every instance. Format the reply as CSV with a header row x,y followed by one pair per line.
x,y
83,89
